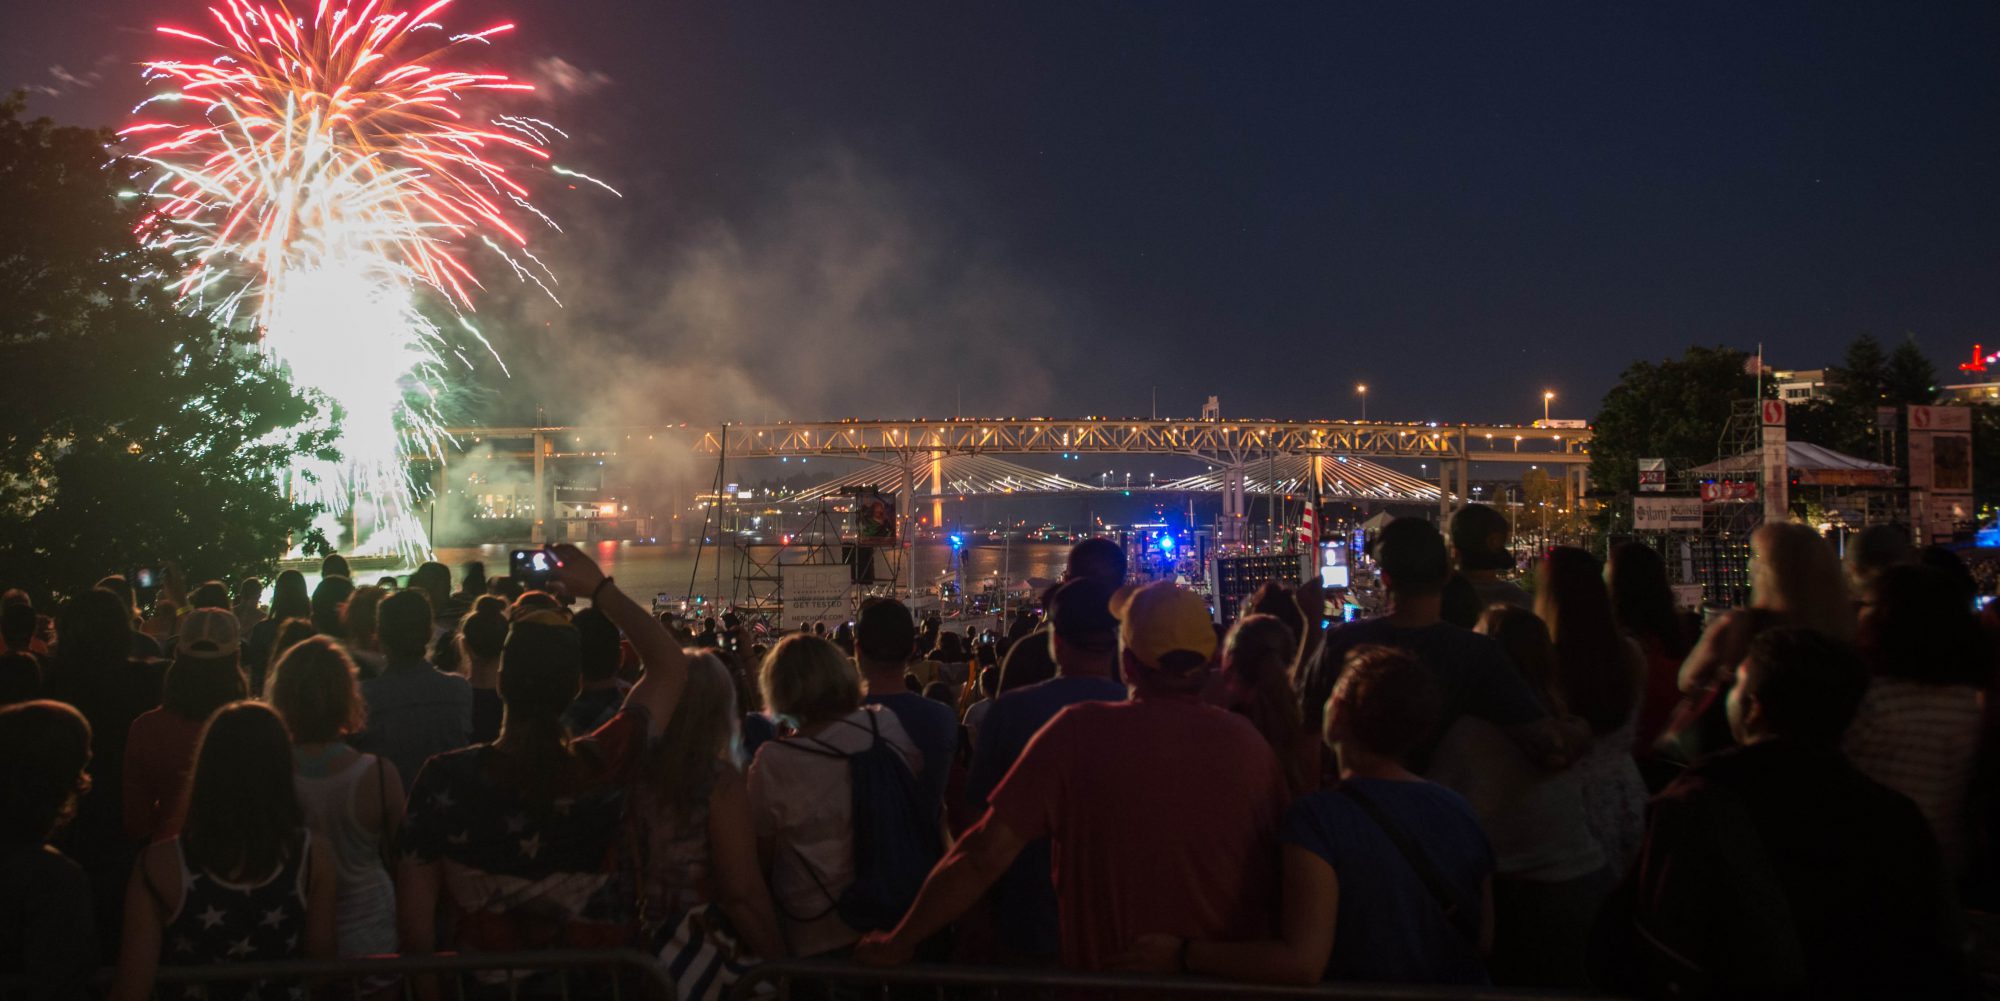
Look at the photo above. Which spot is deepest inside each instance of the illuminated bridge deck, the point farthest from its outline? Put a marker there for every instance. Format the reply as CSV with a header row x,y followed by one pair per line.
x,y
1228,442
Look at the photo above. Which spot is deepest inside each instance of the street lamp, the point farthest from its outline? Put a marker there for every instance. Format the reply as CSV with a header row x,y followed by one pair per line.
x,y
1547,395
1362,388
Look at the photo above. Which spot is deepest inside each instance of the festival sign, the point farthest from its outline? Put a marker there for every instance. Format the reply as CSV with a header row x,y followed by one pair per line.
x,y
1729,492
1940,458
1666,514
1777,463
1653,476
815,592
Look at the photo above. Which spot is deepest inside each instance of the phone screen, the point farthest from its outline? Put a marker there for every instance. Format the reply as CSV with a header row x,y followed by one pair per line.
x,y
145,578
532,566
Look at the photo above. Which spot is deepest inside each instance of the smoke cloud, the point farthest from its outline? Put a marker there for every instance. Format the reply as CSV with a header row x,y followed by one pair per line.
x,y
842,294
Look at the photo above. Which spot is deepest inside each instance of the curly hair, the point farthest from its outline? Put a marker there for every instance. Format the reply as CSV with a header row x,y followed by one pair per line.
x,y
315,689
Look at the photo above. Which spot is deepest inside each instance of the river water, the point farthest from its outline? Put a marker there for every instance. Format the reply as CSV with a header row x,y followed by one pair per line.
x,y
647,570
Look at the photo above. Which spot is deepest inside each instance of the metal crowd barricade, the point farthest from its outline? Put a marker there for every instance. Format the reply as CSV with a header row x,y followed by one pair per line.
x,y
549,975
985,983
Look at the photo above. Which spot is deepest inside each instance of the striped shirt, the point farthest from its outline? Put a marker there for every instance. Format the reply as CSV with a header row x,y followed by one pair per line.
x,y
1921,740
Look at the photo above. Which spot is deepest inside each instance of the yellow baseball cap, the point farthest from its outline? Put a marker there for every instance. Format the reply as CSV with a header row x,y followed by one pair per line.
x,y
1159,618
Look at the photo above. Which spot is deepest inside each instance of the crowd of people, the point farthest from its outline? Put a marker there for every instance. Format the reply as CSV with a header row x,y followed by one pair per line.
x,y
1578,786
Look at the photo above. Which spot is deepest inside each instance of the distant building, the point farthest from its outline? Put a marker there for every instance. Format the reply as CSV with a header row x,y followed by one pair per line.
x,y
1800,385
1972,392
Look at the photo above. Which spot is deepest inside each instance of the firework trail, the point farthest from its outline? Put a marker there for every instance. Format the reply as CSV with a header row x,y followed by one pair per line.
x,y
319,172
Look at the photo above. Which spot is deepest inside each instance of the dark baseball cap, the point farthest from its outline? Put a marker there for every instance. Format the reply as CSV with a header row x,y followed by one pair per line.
x,y
1080,613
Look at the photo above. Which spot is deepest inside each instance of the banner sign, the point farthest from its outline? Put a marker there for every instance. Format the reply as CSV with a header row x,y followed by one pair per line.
x,y
1777,464
1653,476
1940,418
1728,491
1940,470
1666,514
815,592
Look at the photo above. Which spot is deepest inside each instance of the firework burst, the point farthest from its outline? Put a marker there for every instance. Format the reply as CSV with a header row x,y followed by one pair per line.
x,y
320,174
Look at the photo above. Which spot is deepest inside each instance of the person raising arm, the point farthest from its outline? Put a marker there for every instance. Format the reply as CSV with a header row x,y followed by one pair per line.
x,y
664,666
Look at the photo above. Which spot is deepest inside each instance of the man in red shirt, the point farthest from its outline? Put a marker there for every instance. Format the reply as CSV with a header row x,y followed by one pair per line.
x,y
1163,811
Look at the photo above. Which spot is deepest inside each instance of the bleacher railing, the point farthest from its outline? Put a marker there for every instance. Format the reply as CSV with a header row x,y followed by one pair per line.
x,y
629,975
970,983
555,974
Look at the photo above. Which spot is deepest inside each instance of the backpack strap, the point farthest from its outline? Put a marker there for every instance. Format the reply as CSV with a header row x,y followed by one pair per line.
x,y
812,873
826,750
1465,919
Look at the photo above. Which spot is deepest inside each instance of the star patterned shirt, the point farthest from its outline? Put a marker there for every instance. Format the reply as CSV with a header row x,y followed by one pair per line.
x,y
527,876
223,922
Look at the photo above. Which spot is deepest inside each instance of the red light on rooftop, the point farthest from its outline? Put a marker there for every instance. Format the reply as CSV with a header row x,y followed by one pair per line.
x,y
1980,359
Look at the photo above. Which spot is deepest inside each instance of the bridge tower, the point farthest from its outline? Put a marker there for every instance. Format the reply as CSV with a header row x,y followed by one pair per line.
x,y
1235,505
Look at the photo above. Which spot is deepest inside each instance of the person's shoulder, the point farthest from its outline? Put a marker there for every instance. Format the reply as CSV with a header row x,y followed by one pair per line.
x,y
1086,713
1713,774
1480,648
1444,798
1218,721
1032,645
1348,634
1317,811
909,707
938,712
151,724
1020,699
854,731
447,766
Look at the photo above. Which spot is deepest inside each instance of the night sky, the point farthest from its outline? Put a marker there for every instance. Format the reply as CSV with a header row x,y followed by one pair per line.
x,y
874,209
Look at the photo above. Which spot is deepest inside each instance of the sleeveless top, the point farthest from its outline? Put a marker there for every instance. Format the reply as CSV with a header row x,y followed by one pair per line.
x,y
219,922
365,908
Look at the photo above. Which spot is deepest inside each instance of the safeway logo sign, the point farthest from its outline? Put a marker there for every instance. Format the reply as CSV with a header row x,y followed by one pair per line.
x,y
1729,490
1774,413
1940,418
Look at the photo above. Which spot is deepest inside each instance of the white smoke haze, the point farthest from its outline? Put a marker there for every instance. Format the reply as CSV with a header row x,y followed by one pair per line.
x,y
841,295
558,78
844,293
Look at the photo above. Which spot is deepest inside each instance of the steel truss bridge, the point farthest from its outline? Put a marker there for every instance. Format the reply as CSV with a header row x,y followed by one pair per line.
x,y
957,456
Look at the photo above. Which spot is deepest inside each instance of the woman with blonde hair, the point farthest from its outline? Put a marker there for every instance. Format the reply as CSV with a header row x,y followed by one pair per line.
x,y
692,809
1795,580
800,793
354,801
